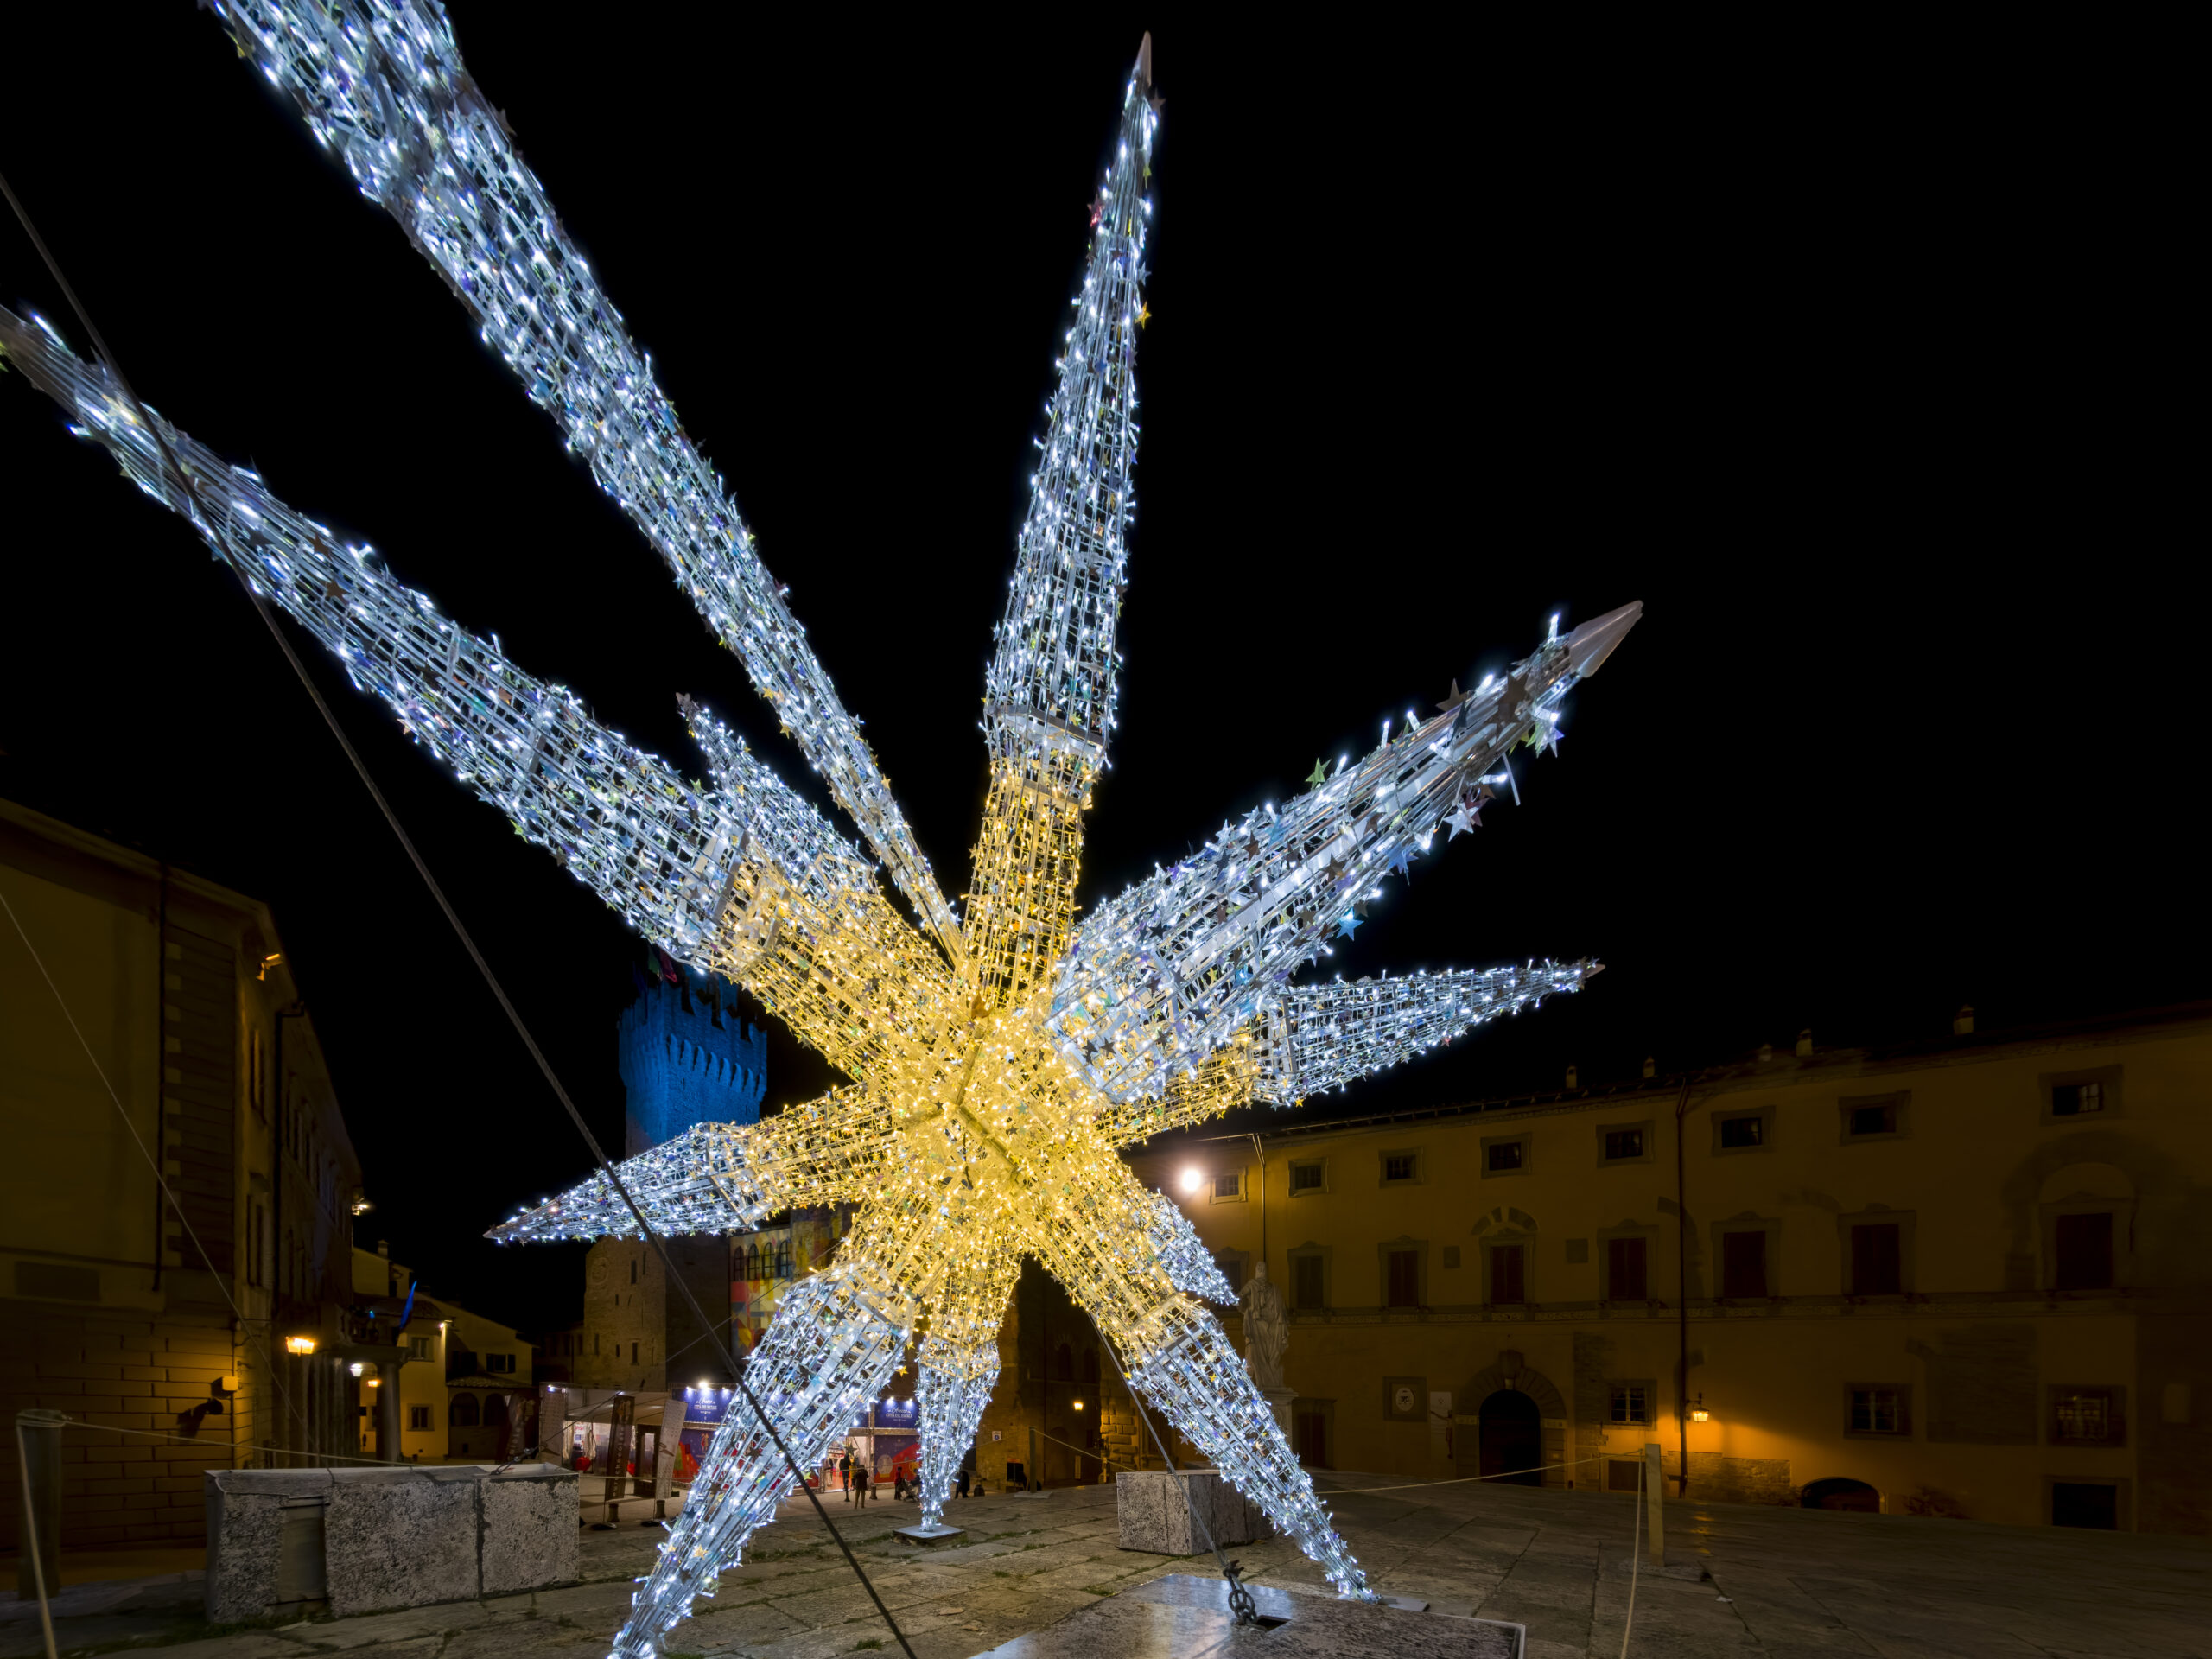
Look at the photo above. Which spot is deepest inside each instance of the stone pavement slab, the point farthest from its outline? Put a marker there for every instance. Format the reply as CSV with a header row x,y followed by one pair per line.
x,y
1784,1584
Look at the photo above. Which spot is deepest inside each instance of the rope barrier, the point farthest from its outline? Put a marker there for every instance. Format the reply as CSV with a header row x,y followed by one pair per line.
x,y
1461,1480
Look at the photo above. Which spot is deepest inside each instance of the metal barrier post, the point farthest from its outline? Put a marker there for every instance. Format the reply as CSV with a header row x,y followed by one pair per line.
x,y
39,1435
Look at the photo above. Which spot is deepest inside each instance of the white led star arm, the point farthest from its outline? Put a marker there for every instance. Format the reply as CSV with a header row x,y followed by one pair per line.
x,y
1048,705
719,1178
1162,975
381,84
1190,1265
1052,679
624,822
1324,1036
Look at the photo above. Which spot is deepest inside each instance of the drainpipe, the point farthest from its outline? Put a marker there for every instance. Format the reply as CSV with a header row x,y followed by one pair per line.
x,y
1261,1152
1682,1298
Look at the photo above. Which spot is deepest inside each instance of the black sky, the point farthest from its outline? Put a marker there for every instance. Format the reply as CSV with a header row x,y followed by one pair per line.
x,y
1811,350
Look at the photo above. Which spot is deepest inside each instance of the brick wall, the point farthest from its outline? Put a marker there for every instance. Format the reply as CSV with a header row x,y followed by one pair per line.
x,y
117,1371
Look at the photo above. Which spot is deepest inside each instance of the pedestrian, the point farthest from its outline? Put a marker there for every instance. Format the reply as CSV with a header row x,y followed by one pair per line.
x,y
861,1481
845,1470
960,1482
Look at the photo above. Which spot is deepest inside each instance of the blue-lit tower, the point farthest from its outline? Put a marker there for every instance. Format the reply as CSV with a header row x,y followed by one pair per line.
x,y
687,1057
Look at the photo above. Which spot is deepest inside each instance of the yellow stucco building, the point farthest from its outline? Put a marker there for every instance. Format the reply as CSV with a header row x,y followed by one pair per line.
x,y
464,1381
1970,1277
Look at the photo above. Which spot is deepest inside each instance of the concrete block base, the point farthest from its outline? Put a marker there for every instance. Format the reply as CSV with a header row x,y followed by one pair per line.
x,y
1154,1515
368,1539
929,1535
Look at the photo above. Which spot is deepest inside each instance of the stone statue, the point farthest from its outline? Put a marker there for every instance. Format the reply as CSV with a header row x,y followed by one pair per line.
x,y
1267,1333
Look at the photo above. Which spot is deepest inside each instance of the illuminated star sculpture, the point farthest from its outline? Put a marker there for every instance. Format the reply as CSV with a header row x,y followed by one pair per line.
x,y
999,1060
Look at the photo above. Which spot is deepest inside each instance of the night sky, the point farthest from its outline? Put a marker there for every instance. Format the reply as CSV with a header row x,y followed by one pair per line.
x,y
1450,333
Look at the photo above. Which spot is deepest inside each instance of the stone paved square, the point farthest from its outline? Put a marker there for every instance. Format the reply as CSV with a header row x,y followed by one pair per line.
x,y
1781,1583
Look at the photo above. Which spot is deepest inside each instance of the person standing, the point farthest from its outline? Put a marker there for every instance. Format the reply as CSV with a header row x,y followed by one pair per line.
x,y
862,1478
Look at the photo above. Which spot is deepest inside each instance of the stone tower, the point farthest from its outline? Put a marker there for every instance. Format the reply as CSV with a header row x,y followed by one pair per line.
x,y
687,1057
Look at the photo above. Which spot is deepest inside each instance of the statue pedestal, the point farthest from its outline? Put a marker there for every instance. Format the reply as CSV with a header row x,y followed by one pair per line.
x,y
1279,1402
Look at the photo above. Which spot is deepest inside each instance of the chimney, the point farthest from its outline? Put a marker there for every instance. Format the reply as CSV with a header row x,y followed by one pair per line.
x,y
1962,1021
1650,1068
1570,1077
383,1248
1805,1043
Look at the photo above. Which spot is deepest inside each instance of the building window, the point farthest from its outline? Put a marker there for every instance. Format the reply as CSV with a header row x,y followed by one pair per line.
x,y
633,1270
2084,1251
1227,1184
2068,1095
1401,1167
1875,1117
2087,1416
1625,1271
1509,1274
2093,1503
418,1347
499,1363
633,1353
1743,1264
1622,1145
2076,1099
1631,1403
418,1418
1306,1280
1403,1268
1742,1131
1506,1155
1305,1177
1231,1264
1879,1408
1876,1259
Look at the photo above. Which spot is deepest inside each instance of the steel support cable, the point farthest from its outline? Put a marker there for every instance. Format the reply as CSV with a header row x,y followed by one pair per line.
x,y
1241,1605
423,869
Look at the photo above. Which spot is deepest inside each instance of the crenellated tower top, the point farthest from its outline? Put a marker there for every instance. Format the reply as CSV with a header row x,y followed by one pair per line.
x,y
687,1057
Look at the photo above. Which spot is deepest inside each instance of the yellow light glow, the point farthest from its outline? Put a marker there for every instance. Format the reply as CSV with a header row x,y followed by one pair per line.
x,y
299,1345
376,1381
1078,1405
1192,1180
1700,1416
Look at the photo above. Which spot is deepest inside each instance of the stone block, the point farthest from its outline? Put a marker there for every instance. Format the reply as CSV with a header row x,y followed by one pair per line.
x,y
402,1538
369,1540
529,1529
1154,1517
250,1513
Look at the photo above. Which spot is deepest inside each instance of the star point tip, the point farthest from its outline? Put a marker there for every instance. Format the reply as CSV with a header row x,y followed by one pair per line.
x,y
1589,645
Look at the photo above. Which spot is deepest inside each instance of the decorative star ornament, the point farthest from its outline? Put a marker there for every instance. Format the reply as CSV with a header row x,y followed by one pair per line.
x,y
1462,820
999,1060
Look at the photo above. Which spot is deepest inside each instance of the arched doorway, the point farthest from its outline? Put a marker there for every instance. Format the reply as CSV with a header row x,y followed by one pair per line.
x,y
1839,1493
1512,1438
